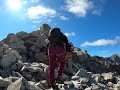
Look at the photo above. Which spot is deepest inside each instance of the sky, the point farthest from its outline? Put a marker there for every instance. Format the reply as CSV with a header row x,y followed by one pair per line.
x,y
92,25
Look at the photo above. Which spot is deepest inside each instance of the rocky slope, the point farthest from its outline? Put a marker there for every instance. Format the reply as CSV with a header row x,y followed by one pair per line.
x,y
24,65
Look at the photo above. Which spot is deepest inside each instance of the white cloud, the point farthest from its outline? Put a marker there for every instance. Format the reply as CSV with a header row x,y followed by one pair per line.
x,y
64,18
79,7
30,1
102,42
70,34
97,12
37,12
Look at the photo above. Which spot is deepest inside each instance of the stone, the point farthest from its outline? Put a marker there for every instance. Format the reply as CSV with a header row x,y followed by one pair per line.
x,y
84,80
8,59
17,85
19,64
107,76
41,58
75,78
1,52
40,86
82,73
20,34
69,83
5,48
4,82
95,87
13,39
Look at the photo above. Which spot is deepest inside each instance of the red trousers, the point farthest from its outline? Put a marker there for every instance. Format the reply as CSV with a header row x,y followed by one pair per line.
x,y
56,54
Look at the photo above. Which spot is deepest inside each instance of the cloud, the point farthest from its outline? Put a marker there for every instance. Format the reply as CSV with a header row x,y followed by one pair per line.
x,y
70,34
102,42
37,12
64,18
30,1
79,7
97,12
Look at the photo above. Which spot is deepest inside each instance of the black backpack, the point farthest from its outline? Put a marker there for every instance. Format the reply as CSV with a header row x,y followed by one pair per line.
x,y
55,36
58,38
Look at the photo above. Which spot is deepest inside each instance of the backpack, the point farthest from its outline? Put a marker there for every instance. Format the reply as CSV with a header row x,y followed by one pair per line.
x,y
58,38
55,36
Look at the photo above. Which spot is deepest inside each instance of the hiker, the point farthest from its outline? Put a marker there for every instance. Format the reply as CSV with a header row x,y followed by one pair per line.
x,y
56,52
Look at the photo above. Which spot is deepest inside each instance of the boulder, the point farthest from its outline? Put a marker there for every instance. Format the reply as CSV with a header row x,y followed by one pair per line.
x,y
1,52
21,34
41,58
4,82
9,58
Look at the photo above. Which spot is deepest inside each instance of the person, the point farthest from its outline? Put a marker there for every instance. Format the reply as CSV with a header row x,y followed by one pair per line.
x,y
56,52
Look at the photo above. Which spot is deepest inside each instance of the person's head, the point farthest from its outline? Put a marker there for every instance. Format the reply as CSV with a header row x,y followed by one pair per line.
x,y
55,31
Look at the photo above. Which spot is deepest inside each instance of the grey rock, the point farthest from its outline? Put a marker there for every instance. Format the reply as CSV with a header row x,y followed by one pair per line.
x,y
8,59
41,58
1,52
82,73
75,78
4,82
21,34
69,83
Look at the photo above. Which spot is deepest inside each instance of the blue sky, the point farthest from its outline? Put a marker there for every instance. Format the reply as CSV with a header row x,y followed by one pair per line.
x,y
92,25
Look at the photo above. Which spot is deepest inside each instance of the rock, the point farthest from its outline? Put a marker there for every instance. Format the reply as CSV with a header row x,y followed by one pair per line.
x,y
13,38
69,83
19,64
84,80
28,43
19,47
13,79
1,52
35,49
96,77
82,73
110,84
9,58
35,69
75,77
27,36
95,87
44,29
5,48
40,86
21,34
64,77
42,41
17,85
34,87
4,82
44,83
77,84
117,86
107,76
1,44
41,58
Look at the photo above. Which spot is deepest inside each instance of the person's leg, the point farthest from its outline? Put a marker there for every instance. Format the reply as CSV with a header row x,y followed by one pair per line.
x,y
52,60
62,58
61,67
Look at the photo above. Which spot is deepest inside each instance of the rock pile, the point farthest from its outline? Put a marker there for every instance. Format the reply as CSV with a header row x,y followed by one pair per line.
x,y
24,65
